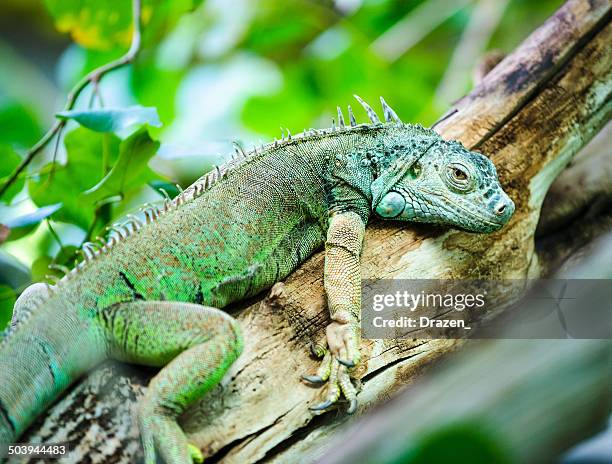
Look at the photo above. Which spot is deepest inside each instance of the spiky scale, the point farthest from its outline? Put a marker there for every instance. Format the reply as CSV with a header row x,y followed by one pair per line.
x,y
239,151
164,193
371,114
136,222
340,117
115,228
351,116
86,253
55,279
389,114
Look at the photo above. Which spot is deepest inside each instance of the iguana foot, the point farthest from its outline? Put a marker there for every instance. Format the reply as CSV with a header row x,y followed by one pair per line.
x,y
341,354
161,432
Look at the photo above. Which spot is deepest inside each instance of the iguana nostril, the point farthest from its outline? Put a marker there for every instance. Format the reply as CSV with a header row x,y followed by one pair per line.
x,y
500,208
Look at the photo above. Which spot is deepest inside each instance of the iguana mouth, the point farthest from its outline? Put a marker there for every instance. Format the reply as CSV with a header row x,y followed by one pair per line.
x,y
483,219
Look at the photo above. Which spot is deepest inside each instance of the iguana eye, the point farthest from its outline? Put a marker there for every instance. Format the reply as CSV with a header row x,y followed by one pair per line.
x,y
458,176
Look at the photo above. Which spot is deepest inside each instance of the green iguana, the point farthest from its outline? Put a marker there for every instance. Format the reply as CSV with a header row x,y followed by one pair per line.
x,y
150,293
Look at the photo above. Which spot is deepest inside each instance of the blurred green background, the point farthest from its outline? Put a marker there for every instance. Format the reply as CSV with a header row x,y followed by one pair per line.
x,y
215,71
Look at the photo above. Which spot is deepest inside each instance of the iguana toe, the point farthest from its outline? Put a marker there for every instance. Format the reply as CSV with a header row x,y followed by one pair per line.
x,y
277,296
318,350
196,455
324,370
163,439
348,389
342,354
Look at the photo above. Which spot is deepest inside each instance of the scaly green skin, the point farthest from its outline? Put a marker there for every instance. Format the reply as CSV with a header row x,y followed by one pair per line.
x,y
149,295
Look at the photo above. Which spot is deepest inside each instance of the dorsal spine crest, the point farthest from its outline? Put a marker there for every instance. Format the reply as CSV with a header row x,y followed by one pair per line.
x,y
121,231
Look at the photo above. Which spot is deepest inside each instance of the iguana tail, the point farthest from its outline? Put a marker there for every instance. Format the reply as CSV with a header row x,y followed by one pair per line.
x,y
39,359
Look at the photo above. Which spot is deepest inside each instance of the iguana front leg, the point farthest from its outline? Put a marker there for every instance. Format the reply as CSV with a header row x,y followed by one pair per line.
x,y
343,288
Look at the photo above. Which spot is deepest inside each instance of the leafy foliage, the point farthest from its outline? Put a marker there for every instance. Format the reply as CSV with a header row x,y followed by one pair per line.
x,y
7,300
10,160
113,119
23,225
89,155
107,24
24,127
130,171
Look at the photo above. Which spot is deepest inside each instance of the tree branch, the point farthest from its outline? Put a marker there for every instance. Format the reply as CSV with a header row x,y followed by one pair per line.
x,y
92,77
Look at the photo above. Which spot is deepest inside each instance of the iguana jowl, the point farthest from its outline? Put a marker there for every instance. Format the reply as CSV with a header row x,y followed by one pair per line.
x,y
150,294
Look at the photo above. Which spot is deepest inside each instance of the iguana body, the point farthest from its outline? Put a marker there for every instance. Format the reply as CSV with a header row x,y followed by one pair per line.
x,y
149,295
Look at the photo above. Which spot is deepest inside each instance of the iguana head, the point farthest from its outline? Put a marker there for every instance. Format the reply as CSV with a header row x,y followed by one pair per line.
x,y
435,181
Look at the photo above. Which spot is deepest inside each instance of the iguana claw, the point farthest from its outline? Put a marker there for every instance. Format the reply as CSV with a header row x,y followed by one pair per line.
x,y
348,364
352,407
313,379
321,406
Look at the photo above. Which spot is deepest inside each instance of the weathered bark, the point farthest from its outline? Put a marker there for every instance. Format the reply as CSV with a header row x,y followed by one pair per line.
x,y
583,187
532,113
577,210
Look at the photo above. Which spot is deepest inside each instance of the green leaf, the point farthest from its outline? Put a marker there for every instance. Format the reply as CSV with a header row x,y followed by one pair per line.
x,y
113,119
40,268
98,24
13,272
130,171
23,225
284,40
90,155
7,301
157,87
25,130
9,160
107,24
